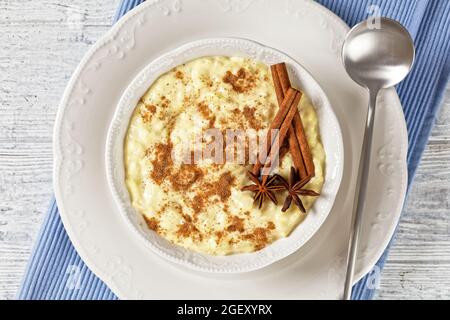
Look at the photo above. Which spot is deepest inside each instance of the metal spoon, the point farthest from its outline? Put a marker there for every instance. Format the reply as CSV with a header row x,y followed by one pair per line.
x,y
376,58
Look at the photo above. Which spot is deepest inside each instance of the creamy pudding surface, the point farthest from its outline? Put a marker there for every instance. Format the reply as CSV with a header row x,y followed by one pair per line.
x,y
201,206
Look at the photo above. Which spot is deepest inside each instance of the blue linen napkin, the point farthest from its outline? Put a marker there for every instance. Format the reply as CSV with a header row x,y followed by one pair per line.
x,y
50,272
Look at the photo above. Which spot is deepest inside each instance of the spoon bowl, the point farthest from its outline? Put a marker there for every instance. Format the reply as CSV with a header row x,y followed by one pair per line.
x,y
378,58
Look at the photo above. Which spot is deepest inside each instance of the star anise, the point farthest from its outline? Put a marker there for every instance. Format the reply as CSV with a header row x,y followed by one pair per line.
x,y
263,188
294,188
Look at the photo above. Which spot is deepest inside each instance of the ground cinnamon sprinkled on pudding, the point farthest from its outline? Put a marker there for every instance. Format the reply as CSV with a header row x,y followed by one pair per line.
x,y
179,75
151,108
237,118
207,81
199,206
221,188
243,81
183,178
224,185
249,114
203,108
147,111
237,224
164,102
219,235
236,112
247,118
205,111
162,162
152,223
188,229
258,237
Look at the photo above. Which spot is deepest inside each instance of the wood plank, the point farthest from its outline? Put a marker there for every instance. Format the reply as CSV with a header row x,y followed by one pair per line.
x,y
42,43
418,266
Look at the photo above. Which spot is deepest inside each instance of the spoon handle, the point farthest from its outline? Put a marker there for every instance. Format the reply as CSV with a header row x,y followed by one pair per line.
x,y
361,189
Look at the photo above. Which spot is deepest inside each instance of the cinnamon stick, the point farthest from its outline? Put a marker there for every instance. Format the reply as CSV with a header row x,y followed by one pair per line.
x,y
283,76
282,84
304,146
277,84
296,151
282,122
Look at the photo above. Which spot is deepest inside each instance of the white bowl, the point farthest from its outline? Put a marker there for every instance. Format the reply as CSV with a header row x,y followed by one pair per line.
x,y
329,130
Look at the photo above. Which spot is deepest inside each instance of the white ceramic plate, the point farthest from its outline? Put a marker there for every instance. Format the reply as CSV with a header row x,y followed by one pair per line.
x,y
302,29
330,134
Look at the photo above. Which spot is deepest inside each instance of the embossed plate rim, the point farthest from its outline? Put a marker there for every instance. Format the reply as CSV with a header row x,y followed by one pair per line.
x,y
330,135
108,263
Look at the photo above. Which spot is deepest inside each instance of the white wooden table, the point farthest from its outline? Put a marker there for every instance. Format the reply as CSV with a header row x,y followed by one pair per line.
x,y
42,41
